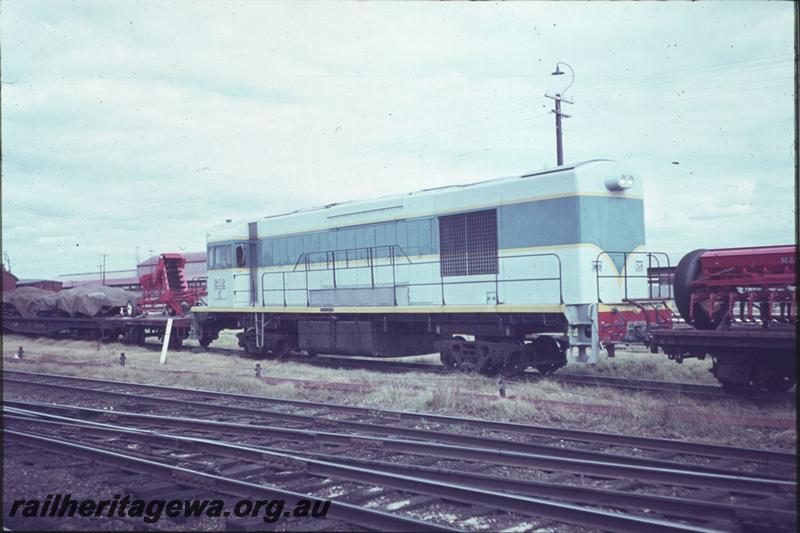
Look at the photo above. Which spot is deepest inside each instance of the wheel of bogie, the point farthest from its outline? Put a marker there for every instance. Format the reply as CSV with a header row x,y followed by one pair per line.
x,y
205,342
134,336
492,363
447,359
739,373
547,369
110,336
773,374
249,344
90,334
468,367
460,361
489,369
251,350
281,349
780,382
548,349
175,342
514,365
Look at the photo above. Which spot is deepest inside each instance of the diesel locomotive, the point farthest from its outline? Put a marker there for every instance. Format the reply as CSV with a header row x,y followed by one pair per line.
x,y
497,275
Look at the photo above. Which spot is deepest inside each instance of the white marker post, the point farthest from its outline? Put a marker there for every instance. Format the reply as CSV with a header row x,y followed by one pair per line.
x,y
167,333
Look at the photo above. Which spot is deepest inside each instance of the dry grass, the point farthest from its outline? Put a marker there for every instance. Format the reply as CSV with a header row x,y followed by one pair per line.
x,y
641,364
465,395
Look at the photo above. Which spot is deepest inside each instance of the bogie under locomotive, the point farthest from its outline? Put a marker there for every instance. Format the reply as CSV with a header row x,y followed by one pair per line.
x,y
498,275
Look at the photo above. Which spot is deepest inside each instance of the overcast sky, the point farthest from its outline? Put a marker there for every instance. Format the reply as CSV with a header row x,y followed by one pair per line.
x,y
142,124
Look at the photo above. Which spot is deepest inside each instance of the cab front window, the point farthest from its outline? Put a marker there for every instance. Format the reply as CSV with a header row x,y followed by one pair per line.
x,y
219,257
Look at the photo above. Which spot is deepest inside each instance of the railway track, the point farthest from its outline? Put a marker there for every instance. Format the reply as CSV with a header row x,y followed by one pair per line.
x,y
565,378
513,497
670,478
587,380
402,423
192,478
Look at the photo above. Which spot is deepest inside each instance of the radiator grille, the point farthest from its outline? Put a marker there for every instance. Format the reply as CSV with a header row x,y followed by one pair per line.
x,y
468,243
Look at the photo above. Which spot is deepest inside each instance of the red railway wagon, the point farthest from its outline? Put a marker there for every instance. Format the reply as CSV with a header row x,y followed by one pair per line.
x,y
166,293
741,304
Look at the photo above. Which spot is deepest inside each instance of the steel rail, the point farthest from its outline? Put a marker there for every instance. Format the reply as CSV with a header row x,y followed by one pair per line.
x,y
414,434
665,505
736,483
638,384
589,380
613,439
523,505
433,368
353,514
561,377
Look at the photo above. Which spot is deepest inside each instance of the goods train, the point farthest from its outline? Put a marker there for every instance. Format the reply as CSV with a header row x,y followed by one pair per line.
x,y
497,276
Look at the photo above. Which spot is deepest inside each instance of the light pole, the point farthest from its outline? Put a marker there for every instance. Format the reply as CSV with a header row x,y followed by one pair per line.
x,y
103,269
558,98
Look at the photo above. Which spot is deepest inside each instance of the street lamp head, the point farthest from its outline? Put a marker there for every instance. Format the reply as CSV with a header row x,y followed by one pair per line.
x,y
559,72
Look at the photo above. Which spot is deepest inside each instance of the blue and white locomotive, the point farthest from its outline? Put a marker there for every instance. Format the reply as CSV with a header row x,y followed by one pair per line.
x,y
496,275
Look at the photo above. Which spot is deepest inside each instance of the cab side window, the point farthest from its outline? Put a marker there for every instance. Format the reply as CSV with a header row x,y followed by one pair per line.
x,y
241,256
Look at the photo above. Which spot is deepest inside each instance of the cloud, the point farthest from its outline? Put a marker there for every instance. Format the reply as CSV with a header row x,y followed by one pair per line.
x,y
143,124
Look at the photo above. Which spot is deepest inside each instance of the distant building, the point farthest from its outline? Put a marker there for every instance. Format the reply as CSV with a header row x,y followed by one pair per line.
x,y
129,279
44,284
196,271
9,280
122,279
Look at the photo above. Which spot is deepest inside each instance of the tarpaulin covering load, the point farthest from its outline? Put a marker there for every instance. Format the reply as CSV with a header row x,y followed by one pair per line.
x,y
91,300
29,301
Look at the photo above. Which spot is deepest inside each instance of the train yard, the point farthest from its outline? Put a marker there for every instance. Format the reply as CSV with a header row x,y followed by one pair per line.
x,y
481,431
445,471
385,467
277,266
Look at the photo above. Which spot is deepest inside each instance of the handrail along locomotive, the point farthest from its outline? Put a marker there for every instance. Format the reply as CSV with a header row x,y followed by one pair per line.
x,y
497,276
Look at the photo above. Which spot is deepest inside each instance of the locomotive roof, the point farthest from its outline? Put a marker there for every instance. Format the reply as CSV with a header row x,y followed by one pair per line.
x,y
384,203
440,188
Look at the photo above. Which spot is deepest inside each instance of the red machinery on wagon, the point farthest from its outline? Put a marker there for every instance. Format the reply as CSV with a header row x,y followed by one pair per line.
x,y
166,287
714,288
742,306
